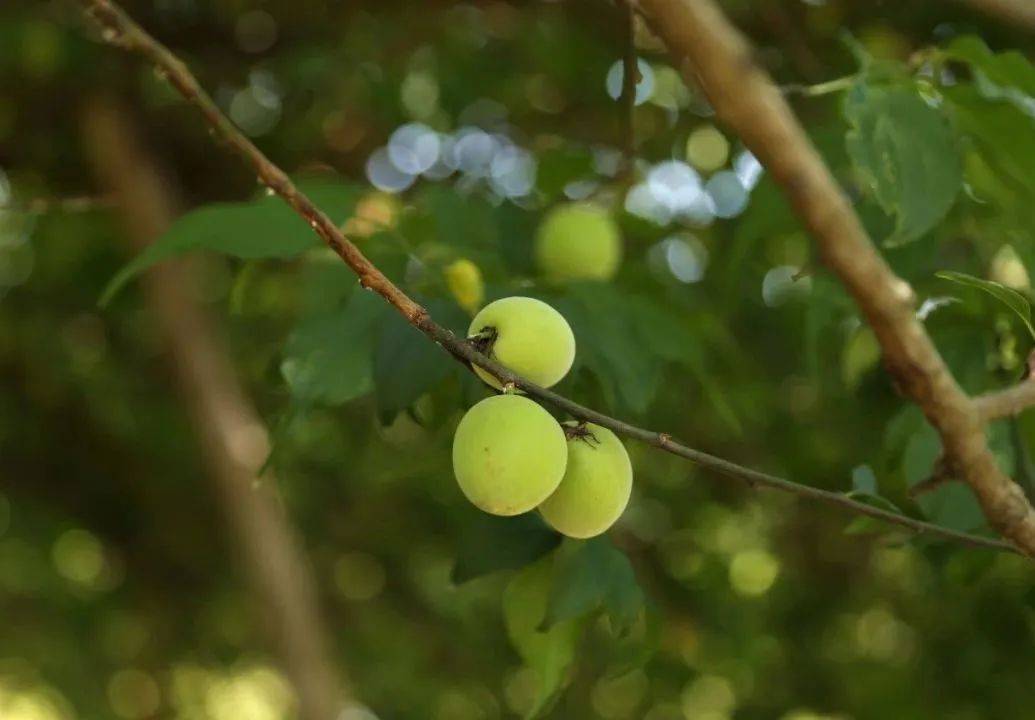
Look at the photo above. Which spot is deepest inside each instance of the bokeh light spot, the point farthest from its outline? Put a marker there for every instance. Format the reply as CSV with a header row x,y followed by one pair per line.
x,y
359,576
753,572
644,86
133,694
78,556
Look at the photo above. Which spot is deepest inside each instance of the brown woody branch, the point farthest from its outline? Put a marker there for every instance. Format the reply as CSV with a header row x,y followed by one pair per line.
x,y
231,434
1019,12
119,29
719,59
1006,403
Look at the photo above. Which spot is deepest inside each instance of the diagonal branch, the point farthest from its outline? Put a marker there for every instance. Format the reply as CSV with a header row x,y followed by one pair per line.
x,y
119,29
232,438
706,46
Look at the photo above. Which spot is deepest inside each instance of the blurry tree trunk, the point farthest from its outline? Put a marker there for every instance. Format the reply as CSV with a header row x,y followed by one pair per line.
x,y
233,437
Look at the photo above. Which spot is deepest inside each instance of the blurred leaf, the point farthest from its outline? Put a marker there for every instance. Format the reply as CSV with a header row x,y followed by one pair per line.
x,y
263,228
515,231
325,280
639,645
407,364
1005,136
1007,69
548,652
861,354
596,575
906,153
492,543
328,356
604,327
626,340
863,480
1008,296
864,525
461,220
560,166
951,504
768,213
864,487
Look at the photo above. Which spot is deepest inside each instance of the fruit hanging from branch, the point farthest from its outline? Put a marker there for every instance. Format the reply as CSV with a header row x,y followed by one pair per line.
x,y
509,454
524,335
596,484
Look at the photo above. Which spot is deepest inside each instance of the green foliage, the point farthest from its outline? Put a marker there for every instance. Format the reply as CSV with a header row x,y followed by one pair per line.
x,y
262,228
905,152
595,575
1007,296
105,512
548,652
406,365
997,73
491,543
327,358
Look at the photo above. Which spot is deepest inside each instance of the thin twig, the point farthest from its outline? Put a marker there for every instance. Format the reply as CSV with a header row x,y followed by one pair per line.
x,y
823,88
713,53
119,29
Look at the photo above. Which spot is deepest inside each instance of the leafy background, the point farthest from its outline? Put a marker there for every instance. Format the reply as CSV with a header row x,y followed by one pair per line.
x,y
120,593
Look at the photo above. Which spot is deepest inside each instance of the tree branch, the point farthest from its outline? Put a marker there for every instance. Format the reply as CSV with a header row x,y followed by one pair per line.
x,y
1006,403
119,29
231,434
717,56
1019,12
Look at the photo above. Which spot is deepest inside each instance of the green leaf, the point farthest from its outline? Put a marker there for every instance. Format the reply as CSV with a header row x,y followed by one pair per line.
x,y
1008,296
608,344
326,282
549,653
906,153
407,364
491,543
626,340
327,358
263,228
864,487
560,166
863,480
595,575
951,504
1004,136
1009,69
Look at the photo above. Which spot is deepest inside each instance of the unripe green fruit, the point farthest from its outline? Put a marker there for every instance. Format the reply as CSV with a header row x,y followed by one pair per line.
x,y
527,336
596,484
578,241
464,280
508,454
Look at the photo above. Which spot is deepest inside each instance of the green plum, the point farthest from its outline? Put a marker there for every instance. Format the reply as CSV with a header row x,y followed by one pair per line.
x,y
527,336
596,485
509,454
578,241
